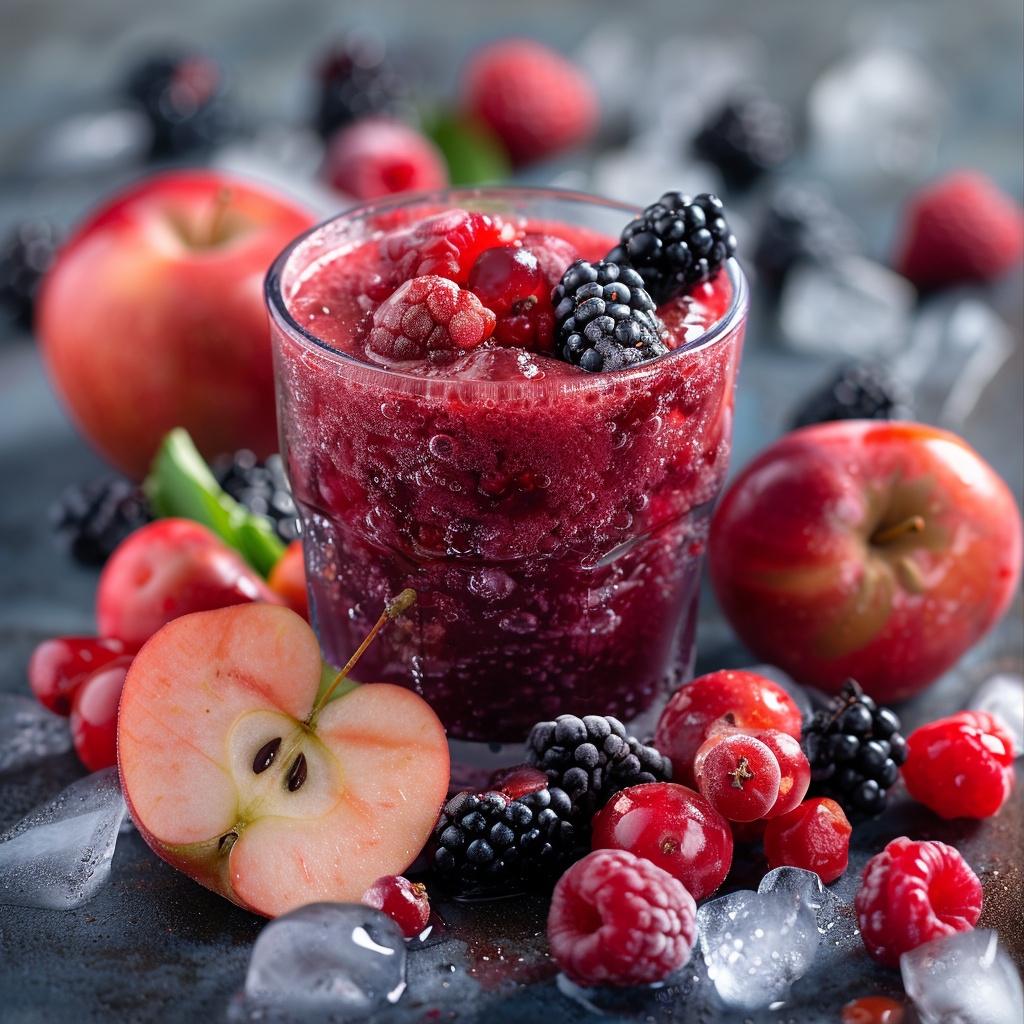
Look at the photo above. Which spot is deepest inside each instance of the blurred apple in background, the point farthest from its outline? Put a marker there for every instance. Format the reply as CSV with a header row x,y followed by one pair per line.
x,y
152,316
881,551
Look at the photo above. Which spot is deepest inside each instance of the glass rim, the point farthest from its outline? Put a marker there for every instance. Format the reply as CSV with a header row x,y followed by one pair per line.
x,y
281,315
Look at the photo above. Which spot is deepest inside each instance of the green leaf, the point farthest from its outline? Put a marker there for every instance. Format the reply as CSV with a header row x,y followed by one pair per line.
x,y
474,153
180,484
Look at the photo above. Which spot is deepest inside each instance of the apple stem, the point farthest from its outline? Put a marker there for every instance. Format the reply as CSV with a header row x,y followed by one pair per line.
x,y
912,524
394,608
216,225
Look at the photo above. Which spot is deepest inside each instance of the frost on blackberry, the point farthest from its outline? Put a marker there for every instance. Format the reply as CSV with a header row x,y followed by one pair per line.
x,y
593,758
604,318
89,520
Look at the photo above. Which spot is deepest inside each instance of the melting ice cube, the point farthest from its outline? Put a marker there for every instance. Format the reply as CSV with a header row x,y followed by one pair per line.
x,y
756,945
808,887
341,956
59,856
963,978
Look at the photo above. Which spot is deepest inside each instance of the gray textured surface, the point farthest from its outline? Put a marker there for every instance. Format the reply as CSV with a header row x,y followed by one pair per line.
x,y
154,946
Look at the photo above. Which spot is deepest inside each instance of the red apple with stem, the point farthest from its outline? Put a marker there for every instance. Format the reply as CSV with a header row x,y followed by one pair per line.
x,y
152,316
880,551
240,769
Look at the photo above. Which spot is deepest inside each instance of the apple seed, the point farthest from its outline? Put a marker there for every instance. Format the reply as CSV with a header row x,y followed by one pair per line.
x,y
265,756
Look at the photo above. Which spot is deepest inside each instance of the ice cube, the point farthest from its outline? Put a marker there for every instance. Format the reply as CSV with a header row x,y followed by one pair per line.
x,y
59,856
963,978
957,347
29,733
852,307
1002,697
341,956
808,887
757,944
876,114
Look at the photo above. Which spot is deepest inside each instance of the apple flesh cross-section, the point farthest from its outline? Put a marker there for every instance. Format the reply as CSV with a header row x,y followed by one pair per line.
x,y
231,777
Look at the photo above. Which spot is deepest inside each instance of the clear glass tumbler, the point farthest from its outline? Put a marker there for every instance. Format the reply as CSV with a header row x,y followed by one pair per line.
x,y
552,526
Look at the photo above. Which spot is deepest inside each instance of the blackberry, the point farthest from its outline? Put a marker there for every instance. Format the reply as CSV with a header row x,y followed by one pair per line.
x,y
593,758
262,488
855,750
604,318
487,844
676,243
182,94
749,135
89,520
802,226
357,79
25,255
861,391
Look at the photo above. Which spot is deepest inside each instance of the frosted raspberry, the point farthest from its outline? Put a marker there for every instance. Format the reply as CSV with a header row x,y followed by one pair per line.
x,y
913,893
429,318
961,766
446,245
617,919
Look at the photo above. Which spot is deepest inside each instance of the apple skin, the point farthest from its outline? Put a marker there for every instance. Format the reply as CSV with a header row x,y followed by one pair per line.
x,y
166,569
799,571
142,330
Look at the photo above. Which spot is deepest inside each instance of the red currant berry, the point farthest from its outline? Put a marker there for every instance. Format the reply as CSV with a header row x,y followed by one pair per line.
x,y
796,771
94,714
405,902
671,826
616,919
58,666
503,276
960,767
913,893
753,701
738,774
814,836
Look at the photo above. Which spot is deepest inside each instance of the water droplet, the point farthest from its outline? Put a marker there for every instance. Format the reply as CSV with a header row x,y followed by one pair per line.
x,y
442,447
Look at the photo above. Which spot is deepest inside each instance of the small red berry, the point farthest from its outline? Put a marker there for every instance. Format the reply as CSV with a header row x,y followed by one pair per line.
x,y
518,781
539,103
405,902
94,714
671,826
961,766
961,229
753,701
58,666
503,276
616,919
794,766
913,893
429,318
378,156
814,836
738,774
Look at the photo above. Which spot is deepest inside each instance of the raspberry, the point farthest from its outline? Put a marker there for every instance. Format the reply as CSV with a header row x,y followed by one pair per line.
x,y
738,774
539,103
960,229
814,836
617,919
913,893
403,901
429,318
379,156
446,245
960,767
672,827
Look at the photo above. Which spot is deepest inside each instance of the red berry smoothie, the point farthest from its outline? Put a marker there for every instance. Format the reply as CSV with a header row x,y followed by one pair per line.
x,y
552,521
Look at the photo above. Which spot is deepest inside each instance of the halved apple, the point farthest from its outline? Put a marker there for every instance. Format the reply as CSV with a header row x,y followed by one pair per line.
x,y
236,773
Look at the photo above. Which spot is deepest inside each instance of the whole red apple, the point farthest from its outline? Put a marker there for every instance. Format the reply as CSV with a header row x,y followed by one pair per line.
x,y
152,316
881,551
